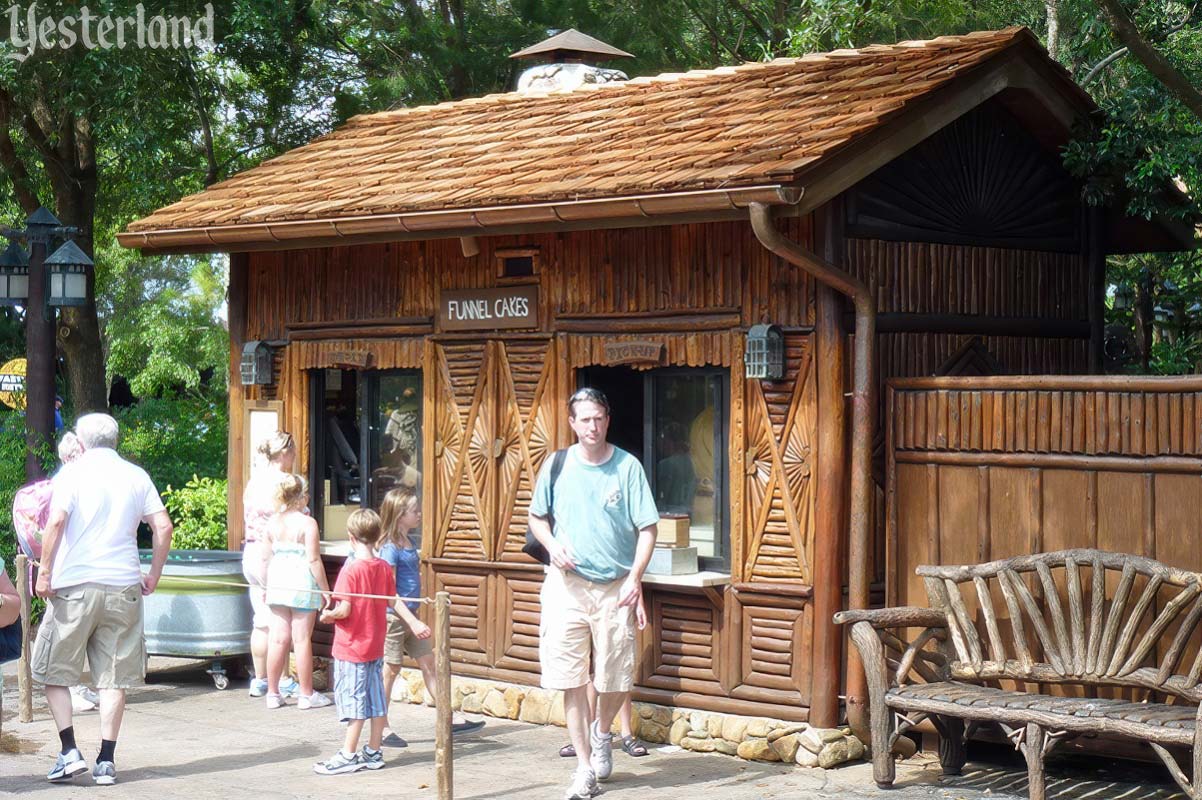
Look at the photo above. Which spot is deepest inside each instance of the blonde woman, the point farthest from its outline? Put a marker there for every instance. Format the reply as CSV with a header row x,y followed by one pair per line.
x,y
296,588
278,457
400,513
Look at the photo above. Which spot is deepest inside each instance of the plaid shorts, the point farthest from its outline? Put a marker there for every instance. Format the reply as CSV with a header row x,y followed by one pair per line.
x,y
359,689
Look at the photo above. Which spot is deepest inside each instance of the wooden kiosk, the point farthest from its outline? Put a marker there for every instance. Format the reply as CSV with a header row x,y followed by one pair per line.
x,y
416,294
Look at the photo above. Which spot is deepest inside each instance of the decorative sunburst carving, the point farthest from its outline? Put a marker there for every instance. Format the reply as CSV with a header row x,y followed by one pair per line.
x,y
982,180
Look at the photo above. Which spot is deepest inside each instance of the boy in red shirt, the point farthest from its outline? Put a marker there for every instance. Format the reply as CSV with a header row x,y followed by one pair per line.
x,y
360,625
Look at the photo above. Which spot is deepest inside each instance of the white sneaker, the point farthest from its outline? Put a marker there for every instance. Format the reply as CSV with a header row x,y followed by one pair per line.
x,y
602,758
315,700
80,702
258,687
274,700
584,785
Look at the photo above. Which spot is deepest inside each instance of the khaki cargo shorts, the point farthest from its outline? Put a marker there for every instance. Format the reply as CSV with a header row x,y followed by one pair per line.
x,y
400,642
580,618
102,622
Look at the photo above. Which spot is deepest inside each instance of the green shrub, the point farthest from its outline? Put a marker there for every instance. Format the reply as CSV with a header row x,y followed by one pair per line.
x,y
198,510
176,439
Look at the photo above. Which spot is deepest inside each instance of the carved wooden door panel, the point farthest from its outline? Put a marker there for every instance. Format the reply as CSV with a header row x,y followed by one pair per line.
x,y
463,452
525,391
781,422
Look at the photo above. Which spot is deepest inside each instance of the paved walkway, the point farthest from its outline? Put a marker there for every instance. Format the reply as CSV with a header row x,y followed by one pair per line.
x,y
183,738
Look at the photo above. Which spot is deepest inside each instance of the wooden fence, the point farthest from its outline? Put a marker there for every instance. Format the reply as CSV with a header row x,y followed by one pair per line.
x,y
988,468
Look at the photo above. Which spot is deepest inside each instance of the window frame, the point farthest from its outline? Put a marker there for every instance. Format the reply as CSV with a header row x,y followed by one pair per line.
x,y
720,561
367,389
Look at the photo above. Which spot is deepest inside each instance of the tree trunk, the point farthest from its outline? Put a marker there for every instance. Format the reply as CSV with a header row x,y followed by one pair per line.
x,y
1124,28
74,181
1052,9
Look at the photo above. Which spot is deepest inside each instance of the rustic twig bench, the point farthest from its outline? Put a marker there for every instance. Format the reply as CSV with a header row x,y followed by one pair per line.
x,y
1121,627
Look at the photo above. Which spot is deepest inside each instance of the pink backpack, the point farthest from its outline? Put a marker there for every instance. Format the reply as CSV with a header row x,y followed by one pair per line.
x,y
31,510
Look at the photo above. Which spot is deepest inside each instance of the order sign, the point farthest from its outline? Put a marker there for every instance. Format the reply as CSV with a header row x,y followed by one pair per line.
x,y
12,384
489,309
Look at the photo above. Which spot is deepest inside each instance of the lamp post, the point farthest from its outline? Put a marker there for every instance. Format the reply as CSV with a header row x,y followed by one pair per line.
x,y
41,283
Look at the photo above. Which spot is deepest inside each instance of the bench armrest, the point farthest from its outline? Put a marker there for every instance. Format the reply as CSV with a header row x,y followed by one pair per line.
x,y
900,617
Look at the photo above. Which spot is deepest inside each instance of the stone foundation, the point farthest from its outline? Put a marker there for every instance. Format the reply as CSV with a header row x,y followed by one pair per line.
x,y
751,738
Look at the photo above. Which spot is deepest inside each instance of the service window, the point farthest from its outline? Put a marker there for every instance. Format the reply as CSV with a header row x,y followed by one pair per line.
x,y
366,438
676,421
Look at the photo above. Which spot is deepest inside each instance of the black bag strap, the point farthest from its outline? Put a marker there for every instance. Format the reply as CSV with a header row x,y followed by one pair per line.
x,y
556,468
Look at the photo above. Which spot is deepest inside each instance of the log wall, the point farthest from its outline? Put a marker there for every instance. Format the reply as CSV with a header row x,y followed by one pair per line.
x,y
494,405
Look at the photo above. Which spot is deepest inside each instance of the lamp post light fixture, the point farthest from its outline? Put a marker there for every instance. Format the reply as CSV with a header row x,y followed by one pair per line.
x,y
14,275
40,284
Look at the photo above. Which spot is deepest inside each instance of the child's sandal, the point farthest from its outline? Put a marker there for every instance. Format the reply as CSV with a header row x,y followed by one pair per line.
x,y
633,747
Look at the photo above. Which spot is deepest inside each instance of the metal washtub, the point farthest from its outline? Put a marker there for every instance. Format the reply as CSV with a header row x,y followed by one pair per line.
x,y
210,619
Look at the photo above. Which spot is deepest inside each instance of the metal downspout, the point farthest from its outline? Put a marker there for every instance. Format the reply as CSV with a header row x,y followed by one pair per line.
x,y
863,419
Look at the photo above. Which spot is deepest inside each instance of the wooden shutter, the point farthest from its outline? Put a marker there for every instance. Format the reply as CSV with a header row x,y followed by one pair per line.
x,y
463,447
781,426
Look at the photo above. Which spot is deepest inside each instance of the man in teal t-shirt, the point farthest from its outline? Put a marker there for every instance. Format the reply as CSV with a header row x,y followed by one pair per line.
x,y
598,525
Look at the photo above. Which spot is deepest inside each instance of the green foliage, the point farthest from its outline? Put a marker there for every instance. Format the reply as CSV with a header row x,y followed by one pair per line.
x,y
12,477
198,510
175,439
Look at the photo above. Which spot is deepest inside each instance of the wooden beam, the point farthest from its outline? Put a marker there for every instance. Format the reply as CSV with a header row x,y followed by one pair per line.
x,y
968,324
830,477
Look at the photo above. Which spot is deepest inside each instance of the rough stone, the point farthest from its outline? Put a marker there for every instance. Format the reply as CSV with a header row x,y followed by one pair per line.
x,y
677,714
811,740
653,732
759,728
417,687
714,726
662,716
535,708
644,710
556,716
698,745
494,704
513,702
830,734
400,693
725,747
757,750
473,703
734,729
833,754
805,758
786,747
855,748
697,721
786,730
679,730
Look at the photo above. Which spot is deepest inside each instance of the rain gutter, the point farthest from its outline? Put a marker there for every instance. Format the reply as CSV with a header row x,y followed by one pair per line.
x,y
862,421
633,210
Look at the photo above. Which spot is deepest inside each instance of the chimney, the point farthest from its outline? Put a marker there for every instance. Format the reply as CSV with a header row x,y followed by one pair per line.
x,y
568,51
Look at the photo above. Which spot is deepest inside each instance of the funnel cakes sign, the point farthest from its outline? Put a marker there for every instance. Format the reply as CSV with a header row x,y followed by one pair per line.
x,y
505,307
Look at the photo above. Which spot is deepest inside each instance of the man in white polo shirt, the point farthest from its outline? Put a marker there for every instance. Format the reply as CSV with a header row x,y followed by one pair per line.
x,y
91,573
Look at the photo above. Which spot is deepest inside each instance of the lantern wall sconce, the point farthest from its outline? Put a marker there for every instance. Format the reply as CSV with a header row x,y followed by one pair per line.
x,y
764,356
255,367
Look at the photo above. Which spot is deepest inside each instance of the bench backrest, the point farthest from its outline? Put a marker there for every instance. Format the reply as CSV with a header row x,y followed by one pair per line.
x,y
1074,616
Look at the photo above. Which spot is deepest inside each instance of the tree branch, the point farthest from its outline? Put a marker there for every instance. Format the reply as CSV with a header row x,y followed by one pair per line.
x,y
712,31
755,23
1093,73
1160,67
18,173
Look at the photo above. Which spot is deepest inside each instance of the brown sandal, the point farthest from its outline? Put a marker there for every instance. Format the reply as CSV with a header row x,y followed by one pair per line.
x,y
633,747
567,751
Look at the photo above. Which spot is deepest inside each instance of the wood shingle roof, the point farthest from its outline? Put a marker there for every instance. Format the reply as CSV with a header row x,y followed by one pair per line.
x,y
732,127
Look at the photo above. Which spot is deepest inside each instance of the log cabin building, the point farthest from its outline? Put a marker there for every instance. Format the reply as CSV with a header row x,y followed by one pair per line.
x,y
416,294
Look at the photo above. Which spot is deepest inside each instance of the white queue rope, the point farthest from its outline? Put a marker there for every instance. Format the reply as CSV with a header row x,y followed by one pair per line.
x,y
219,582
